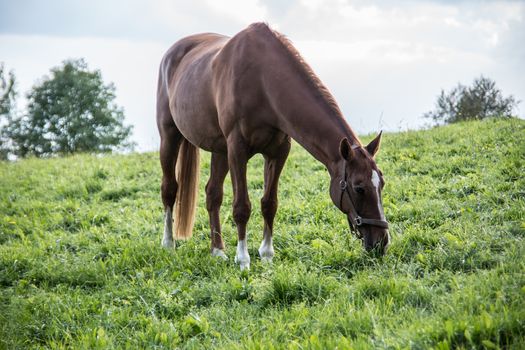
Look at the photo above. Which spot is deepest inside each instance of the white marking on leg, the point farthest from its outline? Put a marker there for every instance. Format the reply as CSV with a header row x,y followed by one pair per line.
x,y
167,239
266,251
376,182
219,253
243,257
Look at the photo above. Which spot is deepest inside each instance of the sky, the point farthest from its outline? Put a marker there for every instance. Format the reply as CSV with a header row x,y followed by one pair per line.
x,y
385,62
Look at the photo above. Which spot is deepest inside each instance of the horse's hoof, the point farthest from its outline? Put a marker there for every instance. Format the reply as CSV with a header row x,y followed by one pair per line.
x,y
266,254
168,243
219,253
244,263
267,259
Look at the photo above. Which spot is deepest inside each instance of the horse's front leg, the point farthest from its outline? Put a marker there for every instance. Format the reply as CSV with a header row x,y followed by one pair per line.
x,y
273,166
214,194
237,160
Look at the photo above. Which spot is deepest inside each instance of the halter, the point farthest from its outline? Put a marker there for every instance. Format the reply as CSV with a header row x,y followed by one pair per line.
x,y
354,219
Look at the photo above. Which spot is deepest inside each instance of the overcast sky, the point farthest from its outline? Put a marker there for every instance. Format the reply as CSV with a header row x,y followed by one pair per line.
x,y
384,61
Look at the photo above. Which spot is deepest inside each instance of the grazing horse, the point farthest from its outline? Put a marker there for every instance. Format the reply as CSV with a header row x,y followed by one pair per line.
x,y
248,94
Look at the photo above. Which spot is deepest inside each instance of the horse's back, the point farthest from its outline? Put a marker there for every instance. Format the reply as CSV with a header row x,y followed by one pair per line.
x,y
175,55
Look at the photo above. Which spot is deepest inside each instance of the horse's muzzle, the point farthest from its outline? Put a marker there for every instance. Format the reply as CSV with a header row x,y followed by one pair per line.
x,y
376,241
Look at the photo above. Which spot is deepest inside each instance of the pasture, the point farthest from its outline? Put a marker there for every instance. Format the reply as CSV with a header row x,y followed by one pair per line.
x,y
81,264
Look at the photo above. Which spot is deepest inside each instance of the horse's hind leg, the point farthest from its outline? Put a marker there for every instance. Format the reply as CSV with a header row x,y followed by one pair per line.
x,y
214,193
273,166
169,147
170,140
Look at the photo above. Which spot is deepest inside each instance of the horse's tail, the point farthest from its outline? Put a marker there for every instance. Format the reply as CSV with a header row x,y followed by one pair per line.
x,y
187,173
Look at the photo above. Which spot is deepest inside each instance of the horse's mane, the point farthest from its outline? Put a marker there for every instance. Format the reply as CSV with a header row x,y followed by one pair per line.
x,y
308,72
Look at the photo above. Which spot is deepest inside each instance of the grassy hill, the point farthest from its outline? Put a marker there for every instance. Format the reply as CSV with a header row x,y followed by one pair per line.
x,y
81,264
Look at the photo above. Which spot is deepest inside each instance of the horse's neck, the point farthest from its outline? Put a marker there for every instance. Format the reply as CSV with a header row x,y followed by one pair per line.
x,y
308,119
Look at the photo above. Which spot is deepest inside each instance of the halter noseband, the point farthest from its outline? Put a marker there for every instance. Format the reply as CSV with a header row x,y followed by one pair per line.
x,y
354,219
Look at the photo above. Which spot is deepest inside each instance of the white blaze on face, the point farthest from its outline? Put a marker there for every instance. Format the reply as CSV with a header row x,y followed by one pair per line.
x,y
376,181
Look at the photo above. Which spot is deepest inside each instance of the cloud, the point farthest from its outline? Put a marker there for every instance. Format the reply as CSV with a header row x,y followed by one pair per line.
x,y
160,20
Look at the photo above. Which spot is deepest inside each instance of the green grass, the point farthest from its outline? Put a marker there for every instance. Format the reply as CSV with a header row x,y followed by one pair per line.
x,y
81,264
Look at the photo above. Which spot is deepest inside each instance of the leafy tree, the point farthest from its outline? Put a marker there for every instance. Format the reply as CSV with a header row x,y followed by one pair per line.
x,y
70,111
480,101
7,91
7,101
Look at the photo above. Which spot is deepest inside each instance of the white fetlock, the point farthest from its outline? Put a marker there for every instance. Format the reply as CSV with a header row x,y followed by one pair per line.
x,y
168,243
243,264
167,239
219,253
266,251
242,257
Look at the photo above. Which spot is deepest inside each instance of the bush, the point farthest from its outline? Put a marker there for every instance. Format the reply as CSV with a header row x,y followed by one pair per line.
x,y
480,101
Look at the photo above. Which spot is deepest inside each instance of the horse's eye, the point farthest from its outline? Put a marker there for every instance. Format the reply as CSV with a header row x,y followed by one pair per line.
x,y
359,189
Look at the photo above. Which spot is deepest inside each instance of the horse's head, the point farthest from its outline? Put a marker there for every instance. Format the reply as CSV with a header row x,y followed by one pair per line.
x,y
356,190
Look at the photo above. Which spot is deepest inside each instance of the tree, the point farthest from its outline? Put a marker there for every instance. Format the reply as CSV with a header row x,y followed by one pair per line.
x,y
70,111
7,101
7,91
480,101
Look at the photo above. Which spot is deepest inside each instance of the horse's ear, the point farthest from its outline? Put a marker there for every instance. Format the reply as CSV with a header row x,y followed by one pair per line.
x,y
373,146
345,149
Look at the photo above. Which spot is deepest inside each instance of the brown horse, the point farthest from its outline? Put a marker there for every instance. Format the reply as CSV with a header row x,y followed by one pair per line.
x,y
248,94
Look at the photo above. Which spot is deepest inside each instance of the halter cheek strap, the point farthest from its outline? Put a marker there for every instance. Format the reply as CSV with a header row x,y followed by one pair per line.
x,y
354,219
